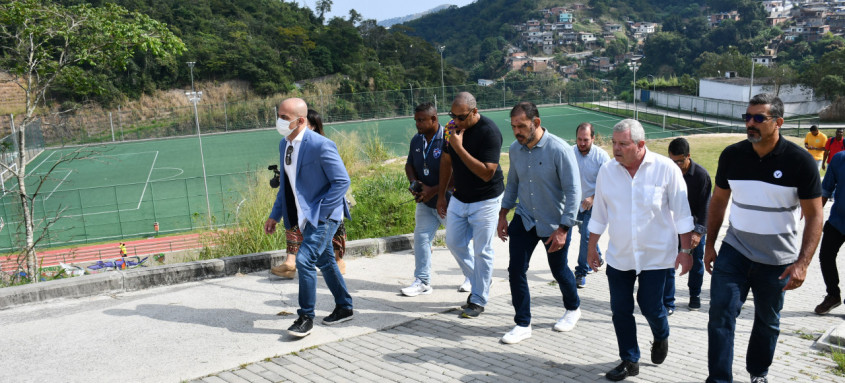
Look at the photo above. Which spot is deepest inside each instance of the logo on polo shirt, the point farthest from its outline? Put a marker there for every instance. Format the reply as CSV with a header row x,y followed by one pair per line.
x,y
437,153
778,174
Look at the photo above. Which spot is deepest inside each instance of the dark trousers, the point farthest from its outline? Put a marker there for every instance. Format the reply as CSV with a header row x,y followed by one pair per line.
x,y
696,277
832,240
650,300
521,245
733,276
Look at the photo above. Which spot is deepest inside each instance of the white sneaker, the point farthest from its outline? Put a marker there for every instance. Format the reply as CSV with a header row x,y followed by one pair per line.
x,y
518,334
417,288
568,320
465,287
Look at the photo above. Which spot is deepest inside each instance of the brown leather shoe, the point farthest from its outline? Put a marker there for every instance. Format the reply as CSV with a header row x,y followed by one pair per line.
x,y
284,270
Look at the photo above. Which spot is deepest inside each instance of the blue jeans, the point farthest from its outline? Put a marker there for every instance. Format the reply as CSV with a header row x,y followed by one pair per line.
x,y
649,297
427,221
696,277
583,268
733,276
522,244
474,221
316,250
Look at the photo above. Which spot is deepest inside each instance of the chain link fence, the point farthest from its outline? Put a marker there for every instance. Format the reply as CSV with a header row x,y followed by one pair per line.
x,y
99,214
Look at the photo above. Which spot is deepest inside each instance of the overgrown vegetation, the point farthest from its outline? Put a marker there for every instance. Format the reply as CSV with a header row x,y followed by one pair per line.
x,y
379,189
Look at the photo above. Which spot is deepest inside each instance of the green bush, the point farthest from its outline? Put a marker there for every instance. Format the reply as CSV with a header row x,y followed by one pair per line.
x,y
382,207
248,234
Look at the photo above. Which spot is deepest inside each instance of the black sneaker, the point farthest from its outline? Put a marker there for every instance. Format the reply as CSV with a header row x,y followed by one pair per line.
x,y
301,327
659,350
623,370
670,311
339,315
759,379
465,305
829,303
694,303
472,311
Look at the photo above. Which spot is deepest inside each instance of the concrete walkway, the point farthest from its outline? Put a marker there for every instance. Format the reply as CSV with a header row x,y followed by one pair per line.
x,y
233,330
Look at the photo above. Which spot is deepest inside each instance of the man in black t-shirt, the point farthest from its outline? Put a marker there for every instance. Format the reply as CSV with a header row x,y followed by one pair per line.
x,y
472,160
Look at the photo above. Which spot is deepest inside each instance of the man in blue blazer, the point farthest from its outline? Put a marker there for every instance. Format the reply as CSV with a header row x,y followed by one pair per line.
x,y
313,184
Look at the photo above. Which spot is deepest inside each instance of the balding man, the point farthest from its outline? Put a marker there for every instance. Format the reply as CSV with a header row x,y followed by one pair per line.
x,y
473,157
312,194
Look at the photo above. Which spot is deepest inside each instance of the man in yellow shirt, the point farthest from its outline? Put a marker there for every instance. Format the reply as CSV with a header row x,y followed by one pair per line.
x,y
814,143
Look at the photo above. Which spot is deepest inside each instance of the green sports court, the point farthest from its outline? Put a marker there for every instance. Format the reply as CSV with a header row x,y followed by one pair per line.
x,y
120,190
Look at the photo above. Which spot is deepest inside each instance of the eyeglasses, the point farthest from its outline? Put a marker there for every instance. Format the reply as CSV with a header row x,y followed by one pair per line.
x,y
288,154
459,118
681,161
758,118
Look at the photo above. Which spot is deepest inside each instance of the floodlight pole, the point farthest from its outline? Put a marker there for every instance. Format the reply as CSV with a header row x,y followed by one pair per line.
x,y
442,81
634,66
194,97
412,94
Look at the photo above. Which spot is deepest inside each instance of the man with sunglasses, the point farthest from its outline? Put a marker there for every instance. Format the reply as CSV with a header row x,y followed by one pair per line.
x,y
472,160
834,145
312,194
698,195
771,182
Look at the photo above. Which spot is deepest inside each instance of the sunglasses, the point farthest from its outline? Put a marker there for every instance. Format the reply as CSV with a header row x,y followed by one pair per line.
x,y
459,118
288,154
758,118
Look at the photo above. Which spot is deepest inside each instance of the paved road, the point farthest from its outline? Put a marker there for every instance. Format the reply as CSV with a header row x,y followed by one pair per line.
x,y
231,330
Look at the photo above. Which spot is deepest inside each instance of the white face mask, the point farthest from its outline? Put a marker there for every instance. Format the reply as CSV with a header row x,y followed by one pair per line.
x,y
283,127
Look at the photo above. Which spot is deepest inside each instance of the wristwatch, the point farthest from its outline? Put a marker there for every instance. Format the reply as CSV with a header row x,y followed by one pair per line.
x,y
563,227
687,251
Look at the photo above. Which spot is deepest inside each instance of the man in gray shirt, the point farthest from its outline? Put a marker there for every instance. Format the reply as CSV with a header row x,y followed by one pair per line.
x,y
590,158
542,170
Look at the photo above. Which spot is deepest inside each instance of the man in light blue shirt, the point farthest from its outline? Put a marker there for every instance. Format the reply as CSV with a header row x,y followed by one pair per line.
x,y
542,170
590,158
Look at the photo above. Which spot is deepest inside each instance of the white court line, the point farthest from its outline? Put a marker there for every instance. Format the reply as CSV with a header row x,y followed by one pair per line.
x,y
41,163
60,184
144,190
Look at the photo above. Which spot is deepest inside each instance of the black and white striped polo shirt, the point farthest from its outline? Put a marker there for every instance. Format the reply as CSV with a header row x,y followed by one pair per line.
x,y
765,198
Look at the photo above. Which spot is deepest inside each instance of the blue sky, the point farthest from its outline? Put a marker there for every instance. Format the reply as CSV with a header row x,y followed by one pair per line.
x,y
382,9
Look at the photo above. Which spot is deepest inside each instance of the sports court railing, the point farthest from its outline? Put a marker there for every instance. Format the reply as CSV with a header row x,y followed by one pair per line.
x,y
124,124
126,211
9,152
688,119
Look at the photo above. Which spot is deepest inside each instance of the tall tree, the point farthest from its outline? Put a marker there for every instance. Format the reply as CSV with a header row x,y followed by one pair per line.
x,y
42,43
323,7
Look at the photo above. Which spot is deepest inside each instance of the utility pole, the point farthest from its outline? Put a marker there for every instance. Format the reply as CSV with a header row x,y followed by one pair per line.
x,y
442,81
194,97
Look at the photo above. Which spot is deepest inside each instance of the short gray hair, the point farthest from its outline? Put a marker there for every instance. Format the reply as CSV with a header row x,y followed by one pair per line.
x,y
634,126
774,102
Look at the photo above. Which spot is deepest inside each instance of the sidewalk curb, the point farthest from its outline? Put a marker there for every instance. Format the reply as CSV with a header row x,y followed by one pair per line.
x,y
149,277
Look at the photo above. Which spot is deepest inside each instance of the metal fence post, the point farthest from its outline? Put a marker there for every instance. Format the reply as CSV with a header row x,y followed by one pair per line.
x,y
82,214
225,113
117,204
153,201
188,203
111,123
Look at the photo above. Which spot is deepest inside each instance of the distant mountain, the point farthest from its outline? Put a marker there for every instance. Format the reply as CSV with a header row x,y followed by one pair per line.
x,y
399,20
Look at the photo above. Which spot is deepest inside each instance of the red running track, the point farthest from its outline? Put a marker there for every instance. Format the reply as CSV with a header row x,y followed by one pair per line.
x,y
141,248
